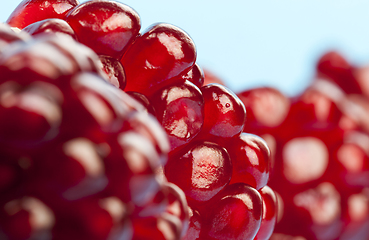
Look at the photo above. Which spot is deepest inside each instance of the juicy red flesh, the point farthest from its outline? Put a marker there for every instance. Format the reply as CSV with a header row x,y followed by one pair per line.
x,y
107,27
162,53
30,11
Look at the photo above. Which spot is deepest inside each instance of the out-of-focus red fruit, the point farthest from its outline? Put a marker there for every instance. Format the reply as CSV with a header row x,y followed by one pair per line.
x,y
156,58
26,218
161,228
88,218
201,172
224,113
50,26
107,27
29,116
210,77
30,11
352,159
178,206
235,213
335,67
266,108
194,228
250,159
270,212
7,36
314,213
317,104
47,58
356,216
74,168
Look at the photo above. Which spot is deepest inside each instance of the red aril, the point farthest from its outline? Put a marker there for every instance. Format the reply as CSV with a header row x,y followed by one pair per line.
x,y
201,171
250,159
51,25
180,110
160,54
30,11
235,213
270,211
224,113
107,27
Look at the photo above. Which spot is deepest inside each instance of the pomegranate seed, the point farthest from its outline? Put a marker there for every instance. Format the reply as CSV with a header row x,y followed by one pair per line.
x,y
269,213
114,71
235,213
201,172
53,25
162,53
179,109
30,11
251,160
107,27
224,113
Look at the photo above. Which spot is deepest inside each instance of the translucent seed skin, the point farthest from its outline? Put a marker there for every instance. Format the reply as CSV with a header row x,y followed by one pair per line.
x,y
30,11
107,27
156,58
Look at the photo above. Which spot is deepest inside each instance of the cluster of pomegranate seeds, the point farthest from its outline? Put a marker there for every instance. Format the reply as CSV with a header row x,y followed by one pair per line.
x,y
319,142
110,132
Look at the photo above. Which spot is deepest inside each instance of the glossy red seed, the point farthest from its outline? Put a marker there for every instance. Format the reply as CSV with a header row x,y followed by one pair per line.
x,y
51,25
235,213
250,159
114,71
201,172
195,75
179,109
162,53
30,11
224,113
107,27
270,212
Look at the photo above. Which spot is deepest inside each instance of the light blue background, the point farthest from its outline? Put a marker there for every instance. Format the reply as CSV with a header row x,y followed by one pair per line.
x,y
265,42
